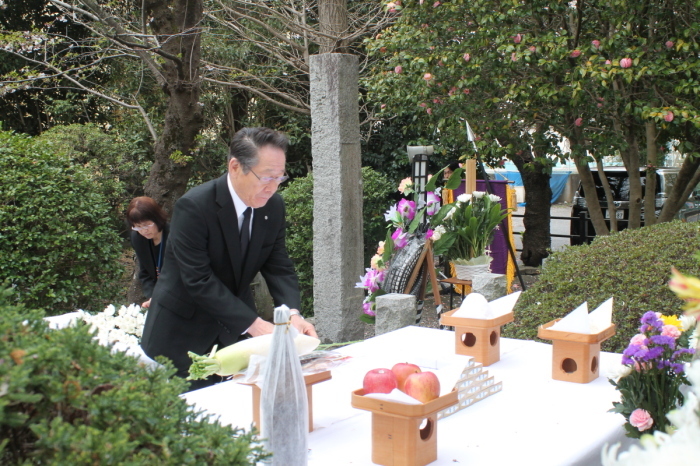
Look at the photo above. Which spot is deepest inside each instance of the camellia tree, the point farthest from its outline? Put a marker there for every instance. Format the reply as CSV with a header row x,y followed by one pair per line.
x,y
608,76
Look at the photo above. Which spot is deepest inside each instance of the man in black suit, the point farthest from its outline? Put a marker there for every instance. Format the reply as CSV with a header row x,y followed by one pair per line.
x,y
203,296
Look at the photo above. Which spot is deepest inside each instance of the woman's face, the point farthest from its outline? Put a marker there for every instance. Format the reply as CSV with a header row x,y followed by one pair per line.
x,y
446,173
146,229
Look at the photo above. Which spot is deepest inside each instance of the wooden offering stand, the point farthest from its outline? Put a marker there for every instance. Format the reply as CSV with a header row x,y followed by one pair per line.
x,y
402,434
309,380
478,338
575,356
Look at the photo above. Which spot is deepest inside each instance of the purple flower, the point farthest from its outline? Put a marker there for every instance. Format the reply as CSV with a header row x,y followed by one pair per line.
x,y
407,209
429,233
681,351
664,340
677,368
432,203
367,309
653,353
372,280
392,215
651,319
400,238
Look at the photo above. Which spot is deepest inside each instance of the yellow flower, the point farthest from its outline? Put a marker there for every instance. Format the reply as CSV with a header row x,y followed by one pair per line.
x,y
376,262
672,320
380,248
688,289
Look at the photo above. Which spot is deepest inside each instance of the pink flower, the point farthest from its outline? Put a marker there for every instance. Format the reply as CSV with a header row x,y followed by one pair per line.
x,y
513,56
467,57
407,209
578,121
596,44
600,105
670,331
575,53
668,117
626,62
427,76
423,104
608,62
371,280
669,44
436,4
641,419
532,49
400,238
453,89
398,69
432,203
466,91
639,339
517,38
440,63
382,106
429,111
367,309
429,234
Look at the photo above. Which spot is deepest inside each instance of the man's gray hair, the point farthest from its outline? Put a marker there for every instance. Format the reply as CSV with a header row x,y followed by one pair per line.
x,y
246,143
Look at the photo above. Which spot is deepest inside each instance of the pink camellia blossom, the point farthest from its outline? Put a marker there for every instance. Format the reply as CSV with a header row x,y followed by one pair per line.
x,y
668,117
382,106
532,49
398,69
407,209
436,4
578,121
596,44
427,76
400,238
600,105
437,101
513,56
608,62
641,419
452,91
432,202
467,57
429,110
367,309
626,62
423,104
518,38
440,63
466,91
670,331
669,44
575,53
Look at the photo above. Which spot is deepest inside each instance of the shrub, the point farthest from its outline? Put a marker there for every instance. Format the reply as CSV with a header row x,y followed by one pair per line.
x,y
298,198
632,266
64,399
56,243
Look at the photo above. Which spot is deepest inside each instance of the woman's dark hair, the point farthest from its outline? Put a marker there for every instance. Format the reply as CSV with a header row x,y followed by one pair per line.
x,y
144,209
453,165
248,141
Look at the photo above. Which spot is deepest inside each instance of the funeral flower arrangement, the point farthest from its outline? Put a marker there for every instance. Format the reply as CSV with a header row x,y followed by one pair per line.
x,y
653,372
466,228
114,326
406,219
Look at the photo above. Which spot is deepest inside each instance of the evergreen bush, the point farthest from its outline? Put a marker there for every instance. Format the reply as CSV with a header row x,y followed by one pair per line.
x,y
64,399
298,197
632,266
58,247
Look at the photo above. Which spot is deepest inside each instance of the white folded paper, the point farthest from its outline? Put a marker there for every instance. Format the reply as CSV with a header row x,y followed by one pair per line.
x,y
395,395
580,321
475,306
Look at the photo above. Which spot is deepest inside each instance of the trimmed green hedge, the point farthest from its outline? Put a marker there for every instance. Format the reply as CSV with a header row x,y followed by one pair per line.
x,y
632,266
58,247
64,399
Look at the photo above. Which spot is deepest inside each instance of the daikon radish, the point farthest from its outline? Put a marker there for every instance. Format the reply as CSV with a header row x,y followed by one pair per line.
x,y
235,358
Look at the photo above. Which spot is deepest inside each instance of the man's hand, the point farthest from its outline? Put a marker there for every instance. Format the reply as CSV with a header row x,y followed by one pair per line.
x,y
303,326
146,304
260,327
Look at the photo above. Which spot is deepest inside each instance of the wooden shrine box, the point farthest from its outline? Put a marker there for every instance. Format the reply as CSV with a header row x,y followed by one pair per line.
x,y
310,380
478,338
402,434
575,356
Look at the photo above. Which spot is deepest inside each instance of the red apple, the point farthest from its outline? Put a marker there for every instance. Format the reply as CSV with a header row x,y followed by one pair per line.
x,y
402,370
424,386
379,381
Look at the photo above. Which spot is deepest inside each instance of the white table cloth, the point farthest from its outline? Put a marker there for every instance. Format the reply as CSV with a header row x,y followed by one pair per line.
x,y
533,420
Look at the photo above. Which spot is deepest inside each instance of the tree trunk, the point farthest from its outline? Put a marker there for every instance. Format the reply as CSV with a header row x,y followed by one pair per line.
x,y
651,181
630,157
333,24
176,24
592,201
538,197
686,182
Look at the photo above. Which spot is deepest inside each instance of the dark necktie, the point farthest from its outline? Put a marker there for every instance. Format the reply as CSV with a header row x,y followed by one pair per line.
x,y
245,230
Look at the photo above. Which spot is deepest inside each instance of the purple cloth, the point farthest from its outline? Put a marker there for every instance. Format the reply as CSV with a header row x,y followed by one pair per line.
x,y
499,246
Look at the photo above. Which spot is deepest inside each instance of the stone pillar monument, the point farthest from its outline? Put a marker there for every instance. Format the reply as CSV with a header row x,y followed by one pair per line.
x,y
338,241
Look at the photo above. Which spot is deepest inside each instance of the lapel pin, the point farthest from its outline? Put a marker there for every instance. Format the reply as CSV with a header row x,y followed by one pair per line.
x,y
265,217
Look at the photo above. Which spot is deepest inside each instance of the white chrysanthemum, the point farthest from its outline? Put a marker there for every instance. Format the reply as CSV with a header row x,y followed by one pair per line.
x,y
478,194
620,371
438,232
494,198
687,322
450,213
464,198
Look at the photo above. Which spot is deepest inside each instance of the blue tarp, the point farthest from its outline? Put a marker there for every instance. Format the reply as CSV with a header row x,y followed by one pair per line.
x,y
557,182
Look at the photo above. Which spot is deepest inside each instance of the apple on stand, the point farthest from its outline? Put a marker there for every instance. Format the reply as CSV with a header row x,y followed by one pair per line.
x,y
423,386
379,381
402,370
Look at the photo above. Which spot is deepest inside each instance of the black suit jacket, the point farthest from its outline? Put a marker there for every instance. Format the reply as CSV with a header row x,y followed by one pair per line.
x,y
147,267
203,293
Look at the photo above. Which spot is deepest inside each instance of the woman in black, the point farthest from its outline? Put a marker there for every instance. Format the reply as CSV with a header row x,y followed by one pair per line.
x,y
149,234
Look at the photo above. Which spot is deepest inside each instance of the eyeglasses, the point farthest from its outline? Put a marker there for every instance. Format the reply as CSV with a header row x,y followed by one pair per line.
x,y
145,227
270,179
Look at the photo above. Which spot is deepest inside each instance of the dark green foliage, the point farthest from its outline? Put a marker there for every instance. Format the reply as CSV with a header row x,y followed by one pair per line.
x,y
57,246
632,266
64,399
298,196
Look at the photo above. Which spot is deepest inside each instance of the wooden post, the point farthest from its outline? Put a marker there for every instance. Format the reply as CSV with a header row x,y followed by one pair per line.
x,y
470,176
